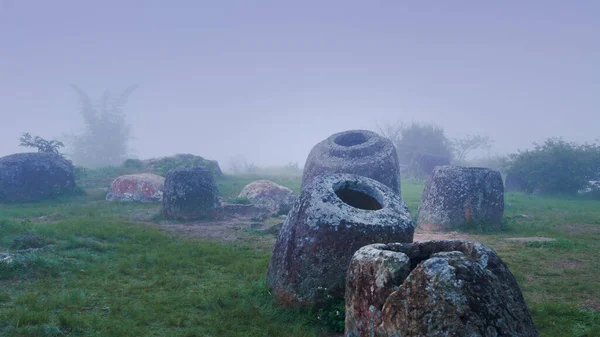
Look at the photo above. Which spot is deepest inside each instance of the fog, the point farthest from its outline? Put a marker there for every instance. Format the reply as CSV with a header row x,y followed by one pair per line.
x,y
269,79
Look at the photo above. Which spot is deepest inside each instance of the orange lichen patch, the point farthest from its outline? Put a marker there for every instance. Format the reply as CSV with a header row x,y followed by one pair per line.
x,y
286,299
468,217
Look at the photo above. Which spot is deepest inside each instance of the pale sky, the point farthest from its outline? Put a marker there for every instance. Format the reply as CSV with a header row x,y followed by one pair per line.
x,y
269,79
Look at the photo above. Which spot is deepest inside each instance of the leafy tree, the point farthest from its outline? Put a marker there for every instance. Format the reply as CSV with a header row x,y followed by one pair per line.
x,y
420,146
557,166
105,140
42,145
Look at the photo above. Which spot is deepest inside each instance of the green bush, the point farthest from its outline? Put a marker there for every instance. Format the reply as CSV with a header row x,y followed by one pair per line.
x,y
166,164
557,167
133,164
41,144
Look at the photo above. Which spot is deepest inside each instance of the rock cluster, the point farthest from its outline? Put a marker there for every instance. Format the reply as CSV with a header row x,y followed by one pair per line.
x,y
335,215
456,196
360,152
26,177
433,288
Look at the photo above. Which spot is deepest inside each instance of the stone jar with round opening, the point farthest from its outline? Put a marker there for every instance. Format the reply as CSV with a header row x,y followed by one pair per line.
x,y
335,215
358,152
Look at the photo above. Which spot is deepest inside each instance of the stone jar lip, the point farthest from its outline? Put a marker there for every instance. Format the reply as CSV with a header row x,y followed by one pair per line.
x,y
371,139
423,250
362,187
324,200
370,187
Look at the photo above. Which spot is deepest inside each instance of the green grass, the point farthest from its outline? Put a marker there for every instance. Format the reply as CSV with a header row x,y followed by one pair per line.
x,y
103,274
232,185
113,278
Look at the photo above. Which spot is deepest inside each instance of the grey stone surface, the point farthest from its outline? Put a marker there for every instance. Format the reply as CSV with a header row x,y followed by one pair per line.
x,y
335,215
358,152
191,193
28,177
452,288
456,196
374,273
264,193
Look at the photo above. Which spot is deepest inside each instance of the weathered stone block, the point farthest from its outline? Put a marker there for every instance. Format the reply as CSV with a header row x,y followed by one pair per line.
x,y
191,193
457,196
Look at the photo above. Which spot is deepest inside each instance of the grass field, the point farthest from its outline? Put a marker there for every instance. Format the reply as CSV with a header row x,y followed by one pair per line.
x,y
101,274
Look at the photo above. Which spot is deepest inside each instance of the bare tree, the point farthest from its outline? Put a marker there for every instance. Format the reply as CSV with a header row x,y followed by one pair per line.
x,y
391,131
463,146
237,164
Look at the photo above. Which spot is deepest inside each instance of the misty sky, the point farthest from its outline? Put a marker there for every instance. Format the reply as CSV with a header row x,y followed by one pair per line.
x,y
269,79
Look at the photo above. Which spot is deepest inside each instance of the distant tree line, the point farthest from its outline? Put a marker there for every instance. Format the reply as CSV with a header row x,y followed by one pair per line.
x,y
423,146
557,167
554,167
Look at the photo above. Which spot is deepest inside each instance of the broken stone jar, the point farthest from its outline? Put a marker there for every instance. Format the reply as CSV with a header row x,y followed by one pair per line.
x,y
433,288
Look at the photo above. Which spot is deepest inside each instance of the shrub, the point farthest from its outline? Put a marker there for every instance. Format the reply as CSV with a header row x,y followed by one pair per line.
x,y
557,167
166,164
42,145
133,164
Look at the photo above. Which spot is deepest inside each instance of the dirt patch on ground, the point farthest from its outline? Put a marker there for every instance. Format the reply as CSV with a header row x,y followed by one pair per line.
x,y
50,218
223,230
421,235
229,230
581,228
530,239
591,304
568,264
